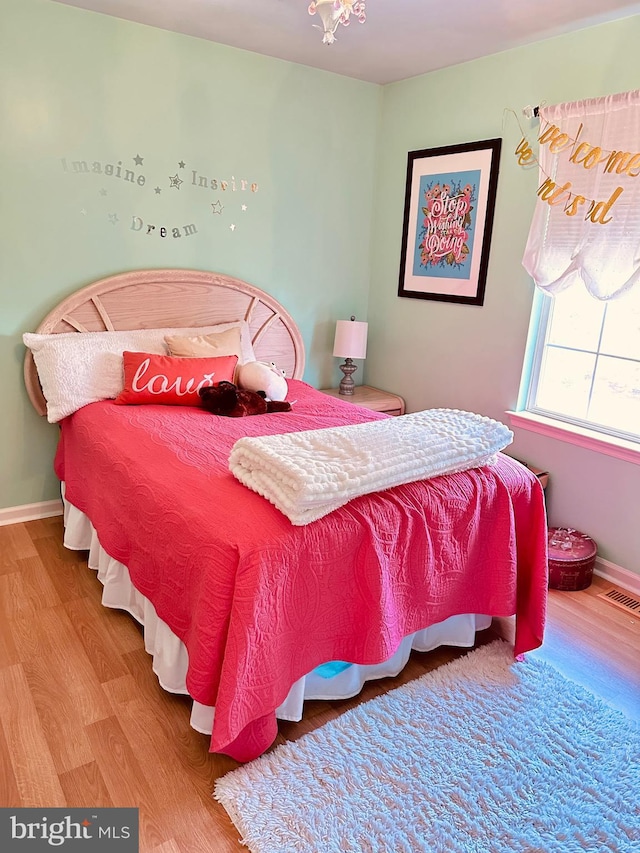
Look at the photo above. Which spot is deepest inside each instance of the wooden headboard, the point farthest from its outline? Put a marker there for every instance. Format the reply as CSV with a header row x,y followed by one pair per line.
x,y
174,298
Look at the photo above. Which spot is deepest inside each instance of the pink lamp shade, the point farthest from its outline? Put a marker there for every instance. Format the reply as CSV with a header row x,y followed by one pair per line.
x,y
350,342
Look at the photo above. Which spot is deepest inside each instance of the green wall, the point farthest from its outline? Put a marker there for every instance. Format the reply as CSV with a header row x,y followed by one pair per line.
x,y
470,357
323,231
77,85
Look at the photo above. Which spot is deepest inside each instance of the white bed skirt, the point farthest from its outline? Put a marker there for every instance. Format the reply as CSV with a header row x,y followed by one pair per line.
x,y
170,655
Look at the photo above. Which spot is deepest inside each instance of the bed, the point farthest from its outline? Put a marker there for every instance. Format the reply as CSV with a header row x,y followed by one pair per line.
x,y
243,611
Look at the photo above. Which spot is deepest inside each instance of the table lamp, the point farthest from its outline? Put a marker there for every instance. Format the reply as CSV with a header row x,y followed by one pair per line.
x,y
350,342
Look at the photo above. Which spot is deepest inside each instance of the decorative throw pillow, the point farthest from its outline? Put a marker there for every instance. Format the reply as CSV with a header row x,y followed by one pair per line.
x,y
170,381
203,346
76,369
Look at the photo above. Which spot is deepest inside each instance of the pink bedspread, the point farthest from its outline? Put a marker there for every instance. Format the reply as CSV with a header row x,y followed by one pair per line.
x,y
258,602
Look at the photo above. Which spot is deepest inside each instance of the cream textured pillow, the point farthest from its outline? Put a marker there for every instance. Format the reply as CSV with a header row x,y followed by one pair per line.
x,y
213,341
203,346
78,368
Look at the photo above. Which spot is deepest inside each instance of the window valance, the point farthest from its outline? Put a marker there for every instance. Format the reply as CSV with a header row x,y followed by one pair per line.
x,y
586,224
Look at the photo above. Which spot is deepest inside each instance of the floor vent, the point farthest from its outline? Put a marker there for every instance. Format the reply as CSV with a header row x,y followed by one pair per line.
x,y
622,600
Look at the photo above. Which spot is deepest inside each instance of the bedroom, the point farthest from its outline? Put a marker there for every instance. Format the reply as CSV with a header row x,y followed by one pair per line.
x,y
75,85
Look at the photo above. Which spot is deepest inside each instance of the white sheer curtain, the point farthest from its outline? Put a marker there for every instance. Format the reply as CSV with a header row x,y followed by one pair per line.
x,y
586,223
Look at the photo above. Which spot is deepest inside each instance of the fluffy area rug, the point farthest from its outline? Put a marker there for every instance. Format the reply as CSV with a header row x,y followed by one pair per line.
x,y
484,755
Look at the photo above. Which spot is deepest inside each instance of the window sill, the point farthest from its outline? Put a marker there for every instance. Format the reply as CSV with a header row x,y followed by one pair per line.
x,y
629,451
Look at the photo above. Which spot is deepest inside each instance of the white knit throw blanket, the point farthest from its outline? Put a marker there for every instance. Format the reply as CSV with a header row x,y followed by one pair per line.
x,y
307,475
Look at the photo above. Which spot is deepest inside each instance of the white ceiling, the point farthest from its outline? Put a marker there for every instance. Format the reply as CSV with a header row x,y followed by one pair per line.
x,y
400,39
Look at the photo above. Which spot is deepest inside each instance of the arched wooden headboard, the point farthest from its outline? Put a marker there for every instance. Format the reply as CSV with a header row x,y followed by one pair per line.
x,y
174,298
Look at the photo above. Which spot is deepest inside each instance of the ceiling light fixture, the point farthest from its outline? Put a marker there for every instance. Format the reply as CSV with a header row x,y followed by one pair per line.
x,y
334,12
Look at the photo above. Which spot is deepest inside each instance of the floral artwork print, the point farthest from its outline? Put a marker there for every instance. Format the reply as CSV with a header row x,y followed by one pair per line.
x,y
450,198
445,224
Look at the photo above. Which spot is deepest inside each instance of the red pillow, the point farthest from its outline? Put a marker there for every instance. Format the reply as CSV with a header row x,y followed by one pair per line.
x,y
171,381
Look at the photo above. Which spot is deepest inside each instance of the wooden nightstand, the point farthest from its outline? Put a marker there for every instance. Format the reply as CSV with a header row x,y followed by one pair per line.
x,y
370,398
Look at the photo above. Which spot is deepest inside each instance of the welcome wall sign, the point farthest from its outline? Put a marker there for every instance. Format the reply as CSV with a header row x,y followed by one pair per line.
x,y
584,155
130,173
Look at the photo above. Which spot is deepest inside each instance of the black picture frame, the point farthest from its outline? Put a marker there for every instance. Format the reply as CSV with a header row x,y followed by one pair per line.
x,y
449,208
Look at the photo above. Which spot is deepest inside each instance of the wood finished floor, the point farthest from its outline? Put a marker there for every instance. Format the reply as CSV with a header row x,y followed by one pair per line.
x,y
85,723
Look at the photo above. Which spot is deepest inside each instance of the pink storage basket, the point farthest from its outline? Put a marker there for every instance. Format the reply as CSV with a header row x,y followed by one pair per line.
x,y
572,556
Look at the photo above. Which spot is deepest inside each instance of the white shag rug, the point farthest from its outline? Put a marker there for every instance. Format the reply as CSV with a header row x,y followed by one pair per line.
x,y
484,755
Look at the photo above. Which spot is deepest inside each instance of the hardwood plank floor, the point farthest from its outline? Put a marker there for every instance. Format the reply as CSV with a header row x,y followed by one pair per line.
x,y
85,723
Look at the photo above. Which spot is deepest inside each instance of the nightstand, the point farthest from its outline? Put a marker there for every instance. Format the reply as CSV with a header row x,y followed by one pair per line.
x,y
370,398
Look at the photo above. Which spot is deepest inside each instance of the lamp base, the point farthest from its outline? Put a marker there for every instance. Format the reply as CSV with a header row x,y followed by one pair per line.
x,y
347,385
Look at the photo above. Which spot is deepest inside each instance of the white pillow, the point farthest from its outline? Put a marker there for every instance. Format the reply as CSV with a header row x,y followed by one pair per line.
x,y
78,368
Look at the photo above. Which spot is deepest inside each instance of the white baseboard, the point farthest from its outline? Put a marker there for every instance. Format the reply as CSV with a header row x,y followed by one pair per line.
x,y
617,575
30,512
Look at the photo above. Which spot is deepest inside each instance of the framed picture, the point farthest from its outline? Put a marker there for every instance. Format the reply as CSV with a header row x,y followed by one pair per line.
x,y
448,217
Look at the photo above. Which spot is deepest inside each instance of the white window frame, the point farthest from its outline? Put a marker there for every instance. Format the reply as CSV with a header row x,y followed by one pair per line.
x,y
531,417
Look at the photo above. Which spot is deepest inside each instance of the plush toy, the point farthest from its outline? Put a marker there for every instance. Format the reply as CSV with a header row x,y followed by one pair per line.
x,y
261,376
227,399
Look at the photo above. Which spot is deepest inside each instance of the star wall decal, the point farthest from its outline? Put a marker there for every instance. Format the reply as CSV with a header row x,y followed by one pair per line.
x,y
174,181
157,191
103,191
138,160
232,227
217,206
181,164
83,212
113,218
244,207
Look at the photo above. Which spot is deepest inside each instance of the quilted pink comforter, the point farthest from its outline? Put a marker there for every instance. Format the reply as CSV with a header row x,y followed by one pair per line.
x,y
258,602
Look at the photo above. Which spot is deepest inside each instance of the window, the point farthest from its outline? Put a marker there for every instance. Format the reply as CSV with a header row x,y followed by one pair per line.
x,y
582,378
584,362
